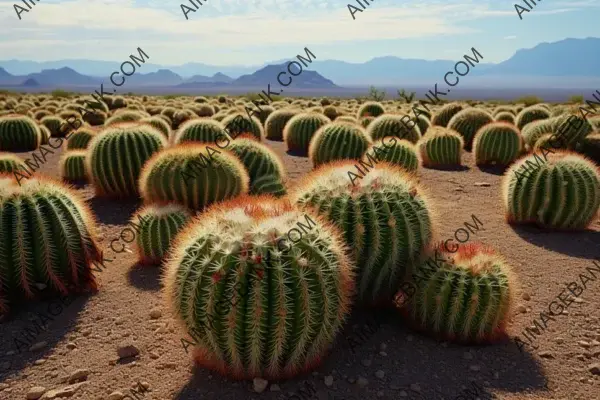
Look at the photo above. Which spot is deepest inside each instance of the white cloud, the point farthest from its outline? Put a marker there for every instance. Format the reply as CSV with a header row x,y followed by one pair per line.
x,y
510,37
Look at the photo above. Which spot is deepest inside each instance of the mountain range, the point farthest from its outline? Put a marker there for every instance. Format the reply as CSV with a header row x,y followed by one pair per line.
x,y
568,63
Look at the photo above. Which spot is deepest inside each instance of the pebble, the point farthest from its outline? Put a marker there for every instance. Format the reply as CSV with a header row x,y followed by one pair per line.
x,y
155,313
366,363
362,382
35,392
38,346
475,368
67,391
526,296
380,374
481,184
546,354
259,385
594,368
522,309
328,380
115,396
584,344
71,346
79,375
126,350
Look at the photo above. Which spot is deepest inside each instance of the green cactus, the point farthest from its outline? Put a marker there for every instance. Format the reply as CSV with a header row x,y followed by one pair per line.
x,y
19,133
258,159
201,131
158,227
505,116
497,143
445,114
467,122
117,155
384,216
530,114
330,112
204,110
571,130
182,116
441,147
238,124
422,122
254,309
72,165
400,126
464,296
370,109
81,138
536,129
548,142
503,109
338,141
269,184
350,119
47,236
562,191
364,121
193,175
263,113
595,121
160,124
10,162
125,116
54,125
300,129
396,152
45,134
591,147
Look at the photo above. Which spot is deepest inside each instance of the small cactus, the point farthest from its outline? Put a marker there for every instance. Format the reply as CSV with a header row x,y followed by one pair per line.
x,y
571,130
81,138
467,122
160,124
530,114
10,163
497,143
300,129
371,109
442,147
19,133
338,141
562,191
505,116
422,122
269,184
276,122
45,134
401,153
400,126
55,125
72,165
445,114
238,124
201,131
536,129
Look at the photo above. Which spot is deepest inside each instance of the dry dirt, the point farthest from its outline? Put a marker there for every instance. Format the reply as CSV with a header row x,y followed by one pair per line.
x,y
389,361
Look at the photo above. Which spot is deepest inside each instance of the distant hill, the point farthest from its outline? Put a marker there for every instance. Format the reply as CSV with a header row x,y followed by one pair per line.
x,y
268,74
216,78
63,76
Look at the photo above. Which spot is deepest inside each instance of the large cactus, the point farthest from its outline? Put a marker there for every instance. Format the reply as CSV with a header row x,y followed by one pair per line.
x,y
47,236
497,143
559,190
441,147
193,175
505,116
254,309
536,129
238,124
116,156
591,147
371,109
300,129
396,152
276,122
464,296
338,141
19,133
203,131
159,123
445,114
158,227
530,114
384,216
81,138
72,165
467,122
10,163
55,125
571,129
400,126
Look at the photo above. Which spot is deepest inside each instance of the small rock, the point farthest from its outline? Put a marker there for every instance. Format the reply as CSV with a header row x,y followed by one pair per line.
x,y
380,374
366,363
275,388
35,392
559,340
578,300
71,346
481,184
362,382
40,361
594,368
546,354
526,296
115,396
79,375
38,346
328,380
415,387
522,309
67,391
145,385
475,368
259,384
155,313
383,354
127,350
584,344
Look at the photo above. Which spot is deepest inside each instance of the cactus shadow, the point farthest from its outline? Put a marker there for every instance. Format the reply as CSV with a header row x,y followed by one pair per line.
x,y
113,211
448,168
581,244
296,153
47,320
145,277
493,169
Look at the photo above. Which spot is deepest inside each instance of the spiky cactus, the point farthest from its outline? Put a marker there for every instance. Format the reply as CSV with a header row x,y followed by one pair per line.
x,y
193,175
384,216
72,165
400,126
441,147
347,118
203,131
300,129
45,134
503,109
530,114
253,308
10,163
238,124
276,122
338,141
364,121
269,184
556,190
505,116
467,122
370,109
591,147
536,129
258,159
159,123
445,114
158,226
423,123
548,142
116,156
125,116
395,151
19,133
54,125
497,143
47,236
464,296
571,129
81,138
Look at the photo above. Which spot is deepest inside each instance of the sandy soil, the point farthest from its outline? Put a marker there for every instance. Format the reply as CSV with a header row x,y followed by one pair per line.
x,y
374,358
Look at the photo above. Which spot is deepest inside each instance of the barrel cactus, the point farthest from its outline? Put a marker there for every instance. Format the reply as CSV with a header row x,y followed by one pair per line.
x,y
81,138
193,175
10,162
591,147
338,141
560,190
503,109
55,125
125,116
158,226
300,129
571,130
72,165
530,114
467,122
536,129
347,118
464,296
47,236
505,116
445,114
442,147
276,122
400,126
159,123
370,109
497,143
385,218
548,142
19,133
116,156
423,123
258,159
238,124
203,131
269,184
45,134
254,309
395,151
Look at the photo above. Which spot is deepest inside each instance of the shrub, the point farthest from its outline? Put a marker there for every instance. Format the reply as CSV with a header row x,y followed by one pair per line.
x,y
338,141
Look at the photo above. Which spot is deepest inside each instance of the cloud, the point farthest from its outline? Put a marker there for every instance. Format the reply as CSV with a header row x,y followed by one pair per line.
x,y
510,37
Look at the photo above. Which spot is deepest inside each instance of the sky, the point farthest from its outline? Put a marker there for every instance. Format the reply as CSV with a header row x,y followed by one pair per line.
x,y
252,32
